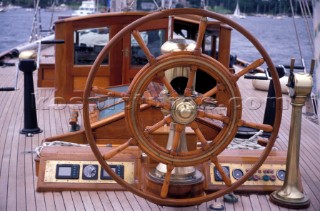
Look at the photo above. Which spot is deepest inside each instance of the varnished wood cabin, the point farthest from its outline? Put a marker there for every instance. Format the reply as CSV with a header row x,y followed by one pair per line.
x,y
74,58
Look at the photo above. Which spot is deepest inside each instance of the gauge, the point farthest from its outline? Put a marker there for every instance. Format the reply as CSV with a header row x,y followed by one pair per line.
x,y
90,172
281,174
217,175
67,171
118,169
237,173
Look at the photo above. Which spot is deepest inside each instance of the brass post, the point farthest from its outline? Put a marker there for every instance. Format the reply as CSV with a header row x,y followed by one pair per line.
x,y
291,194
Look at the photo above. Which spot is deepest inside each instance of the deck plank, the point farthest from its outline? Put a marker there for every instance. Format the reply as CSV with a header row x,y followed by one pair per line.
x,y
13,137
21,178
5,145
147,204
49,199
67,198
58,201
247,203
114,201
97,204
17,176
264,203
133,202
123,200
77,200
105,200
88,204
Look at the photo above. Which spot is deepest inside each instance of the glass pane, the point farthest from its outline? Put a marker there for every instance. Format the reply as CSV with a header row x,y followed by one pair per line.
x,y
153,39
208,45
88,43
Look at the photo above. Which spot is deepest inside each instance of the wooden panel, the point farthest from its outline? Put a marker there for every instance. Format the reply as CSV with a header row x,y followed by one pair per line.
x,y
46,75
162,134
84,155
116,58
128,70
80,82
224,45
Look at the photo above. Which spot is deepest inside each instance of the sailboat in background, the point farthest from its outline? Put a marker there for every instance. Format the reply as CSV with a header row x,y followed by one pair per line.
x,y
237,13
2,8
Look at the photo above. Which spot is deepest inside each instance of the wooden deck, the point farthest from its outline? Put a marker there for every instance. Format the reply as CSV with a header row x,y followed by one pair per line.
x,y
17,167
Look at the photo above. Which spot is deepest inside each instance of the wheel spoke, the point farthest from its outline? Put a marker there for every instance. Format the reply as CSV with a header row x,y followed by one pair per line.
x,y
167,84
108,93
165,120
225,178
250,67
155,103
166,182
99,98
224,119
264,127
209,93
201,32
118,149
176,138
199,134
143,46
188,89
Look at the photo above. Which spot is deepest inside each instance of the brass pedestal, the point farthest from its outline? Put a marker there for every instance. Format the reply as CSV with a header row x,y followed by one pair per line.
x,y
291,194
185,182
290,199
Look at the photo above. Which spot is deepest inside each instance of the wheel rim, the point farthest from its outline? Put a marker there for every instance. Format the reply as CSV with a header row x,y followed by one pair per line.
x,y
139,85
117,38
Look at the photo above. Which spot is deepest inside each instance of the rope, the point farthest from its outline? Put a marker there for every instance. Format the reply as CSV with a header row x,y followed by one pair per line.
x,y
250,143
295,27
35,29
38,149
51,19
304,7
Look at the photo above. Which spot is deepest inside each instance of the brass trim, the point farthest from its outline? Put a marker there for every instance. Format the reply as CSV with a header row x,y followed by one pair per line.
x,y
244,167
50,171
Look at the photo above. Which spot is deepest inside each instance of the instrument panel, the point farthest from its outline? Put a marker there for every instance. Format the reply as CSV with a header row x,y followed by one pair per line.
x,y
58,170
267,174
236,163
62,168
86,171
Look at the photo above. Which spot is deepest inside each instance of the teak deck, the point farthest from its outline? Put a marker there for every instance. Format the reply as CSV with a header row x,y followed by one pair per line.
x,y
17,167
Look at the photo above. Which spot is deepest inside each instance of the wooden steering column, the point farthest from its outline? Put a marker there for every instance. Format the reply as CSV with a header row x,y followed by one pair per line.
x,y
183,110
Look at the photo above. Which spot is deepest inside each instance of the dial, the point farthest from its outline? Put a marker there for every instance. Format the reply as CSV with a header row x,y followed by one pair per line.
x,y
237,173
90,172
217,175
281,174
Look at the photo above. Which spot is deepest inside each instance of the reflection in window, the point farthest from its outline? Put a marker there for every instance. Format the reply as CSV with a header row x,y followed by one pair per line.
x,y
88,43
153,39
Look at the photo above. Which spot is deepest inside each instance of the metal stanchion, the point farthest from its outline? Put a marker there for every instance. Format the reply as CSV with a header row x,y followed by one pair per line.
x,y
291,194
27,66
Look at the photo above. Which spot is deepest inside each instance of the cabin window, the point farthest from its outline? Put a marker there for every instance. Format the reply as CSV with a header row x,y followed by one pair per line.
x,y
207,48
180,34
88,43
153,39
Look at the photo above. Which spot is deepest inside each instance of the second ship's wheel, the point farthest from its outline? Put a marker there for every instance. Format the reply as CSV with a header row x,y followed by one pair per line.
x,y
182,110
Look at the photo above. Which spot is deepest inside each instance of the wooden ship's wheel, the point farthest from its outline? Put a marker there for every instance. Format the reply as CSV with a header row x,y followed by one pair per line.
x,y
181,110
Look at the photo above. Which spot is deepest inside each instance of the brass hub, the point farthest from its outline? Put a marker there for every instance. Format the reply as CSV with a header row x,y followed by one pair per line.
x,y
184,110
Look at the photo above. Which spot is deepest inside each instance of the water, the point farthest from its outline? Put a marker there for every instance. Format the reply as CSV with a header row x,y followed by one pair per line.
x,y
16,26
277,36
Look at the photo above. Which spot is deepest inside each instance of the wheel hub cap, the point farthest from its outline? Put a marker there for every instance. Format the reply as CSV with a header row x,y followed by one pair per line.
x,y
184,110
